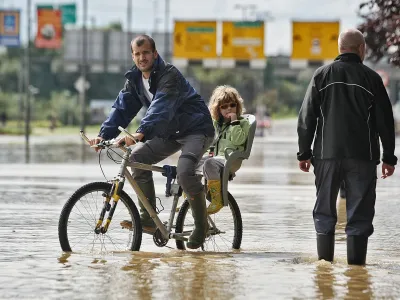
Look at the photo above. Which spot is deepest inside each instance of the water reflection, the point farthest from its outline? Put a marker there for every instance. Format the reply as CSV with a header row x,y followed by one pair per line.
x,y
359,284
329,277
181,275
324,280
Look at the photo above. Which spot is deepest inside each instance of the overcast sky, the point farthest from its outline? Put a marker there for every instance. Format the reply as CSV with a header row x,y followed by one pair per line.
x,y
144,14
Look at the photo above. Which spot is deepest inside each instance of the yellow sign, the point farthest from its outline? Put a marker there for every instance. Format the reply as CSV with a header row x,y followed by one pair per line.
x,y
315,40
195,40
243,40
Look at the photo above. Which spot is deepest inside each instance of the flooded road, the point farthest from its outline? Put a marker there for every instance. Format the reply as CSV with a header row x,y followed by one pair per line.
x,y
277,259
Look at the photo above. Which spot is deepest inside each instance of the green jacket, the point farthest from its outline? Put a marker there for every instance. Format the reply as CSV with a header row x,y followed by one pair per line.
x,y
234,135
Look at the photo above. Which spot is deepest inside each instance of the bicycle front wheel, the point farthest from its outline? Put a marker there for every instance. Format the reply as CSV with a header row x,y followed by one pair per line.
x,y
225,227
78,219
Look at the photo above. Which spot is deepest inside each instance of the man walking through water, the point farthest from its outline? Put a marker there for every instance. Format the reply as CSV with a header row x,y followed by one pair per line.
x,y
346,110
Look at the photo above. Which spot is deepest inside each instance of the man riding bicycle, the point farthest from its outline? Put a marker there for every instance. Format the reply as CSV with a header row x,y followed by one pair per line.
x,y
177,118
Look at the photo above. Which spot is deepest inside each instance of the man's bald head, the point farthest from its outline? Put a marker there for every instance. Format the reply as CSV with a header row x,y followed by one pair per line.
x,y
352,41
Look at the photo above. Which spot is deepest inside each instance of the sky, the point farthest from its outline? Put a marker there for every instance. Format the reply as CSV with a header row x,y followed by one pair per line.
x,y
149,15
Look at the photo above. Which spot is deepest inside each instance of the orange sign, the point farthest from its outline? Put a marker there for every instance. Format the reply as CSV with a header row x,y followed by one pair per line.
x,y
49,31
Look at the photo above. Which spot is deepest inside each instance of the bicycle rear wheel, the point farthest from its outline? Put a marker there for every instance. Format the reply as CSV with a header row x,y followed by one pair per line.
x,y
76,227
224,236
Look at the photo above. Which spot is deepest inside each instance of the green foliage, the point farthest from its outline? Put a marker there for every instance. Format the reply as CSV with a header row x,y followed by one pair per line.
x,y
62,106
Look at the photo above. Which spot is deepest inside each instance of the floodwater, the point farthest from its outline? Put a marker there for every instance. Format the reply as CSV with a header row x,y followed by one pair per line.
x,y
277,259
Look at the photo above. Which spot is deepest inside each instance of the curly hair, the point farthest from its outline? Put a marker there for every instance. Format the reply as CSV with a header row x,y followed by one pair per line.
x,y
225,94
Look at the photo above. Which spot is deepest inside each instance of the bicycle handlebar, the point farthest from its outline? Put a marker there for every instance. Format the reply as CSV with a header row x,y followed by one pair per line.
x,y
103,144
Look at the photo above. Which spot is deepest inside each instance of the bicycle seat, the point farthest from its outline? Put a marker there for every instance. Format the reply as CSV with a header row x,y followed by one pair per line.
x,y
234,158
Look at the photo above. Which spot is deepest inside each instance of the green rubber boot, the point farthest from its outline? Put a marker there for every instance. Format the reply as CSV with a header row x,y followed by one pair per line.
x,y
199,211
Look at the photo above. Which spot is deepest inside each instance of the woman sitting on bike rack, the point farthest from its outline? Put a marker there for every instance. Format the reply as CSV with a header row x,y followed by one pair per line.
x,y
231,131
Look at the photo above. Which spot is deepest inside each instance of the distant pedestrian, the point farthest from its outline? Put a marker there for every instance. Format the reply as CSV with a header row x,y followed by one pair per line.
x,y
346,110
3,118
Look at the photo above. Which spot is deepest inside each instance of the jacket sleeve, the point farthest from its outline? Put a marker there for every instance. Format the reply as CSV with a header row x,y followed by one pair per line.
x,y
385,124
307,121
163,108
239,131
124,109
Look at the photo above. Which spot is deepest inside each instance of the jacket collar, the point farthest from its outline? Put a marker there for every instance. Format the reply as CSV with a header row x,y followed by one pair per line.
x,y
349,57
135,73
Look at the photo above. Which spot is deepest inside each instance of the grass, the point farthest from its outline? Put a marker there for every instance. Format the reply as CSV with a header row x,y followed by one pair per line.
x,y
41,128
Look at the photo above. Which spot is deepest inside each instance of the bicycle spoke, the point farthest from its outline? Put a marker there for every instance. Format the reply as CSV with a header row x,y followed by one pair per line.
x,y
81,214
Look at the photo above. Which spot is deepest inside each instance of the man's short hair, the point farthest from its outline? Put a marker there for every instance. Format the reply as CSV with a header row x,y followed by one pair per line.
x,y
141,39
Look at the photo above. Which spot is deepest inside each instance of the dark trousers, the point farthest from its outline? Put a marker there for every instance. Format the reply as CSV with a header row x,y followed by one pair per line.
x,y
359,177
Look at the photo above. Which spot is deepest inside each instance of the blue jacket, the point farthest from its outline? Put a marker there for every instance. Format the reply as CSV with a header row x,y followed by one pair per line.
x,y
175,111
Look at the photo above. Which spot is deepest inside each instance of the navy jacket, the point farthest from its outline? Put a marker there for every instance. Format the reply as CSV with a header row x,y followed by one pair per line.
x,y
175,111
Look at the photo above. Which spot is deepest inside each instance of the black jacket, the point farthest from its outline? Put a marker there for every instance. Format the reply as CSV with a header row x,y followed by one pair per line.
x,y
347,108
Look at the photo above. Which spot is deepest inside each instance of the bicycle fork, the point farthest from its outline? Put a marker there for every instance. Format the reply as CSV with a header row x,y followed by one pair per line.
x,y
115,192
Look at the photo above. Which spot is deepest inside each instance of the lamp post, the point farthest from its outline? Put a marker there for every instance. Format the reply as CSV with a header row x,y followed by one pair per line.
x,y
27,84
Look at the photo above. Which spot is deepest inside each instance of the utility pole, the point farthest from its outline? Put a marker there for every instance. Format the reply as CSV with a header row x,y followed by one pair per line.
x,y
155,19
166,35
84,65
27,84
128,30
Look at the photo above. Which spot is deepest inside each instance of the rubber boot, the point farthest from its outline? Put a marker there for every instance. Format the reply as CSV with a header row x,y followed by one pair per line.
x,y
326,246
356,249
214,186
199,212
148,224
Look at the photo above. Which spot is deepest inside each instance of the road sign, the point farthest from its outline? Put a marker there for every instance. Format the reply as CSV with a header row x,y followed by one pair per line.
x,y
243,40
195,40
9,28
81,85
68,11
315,40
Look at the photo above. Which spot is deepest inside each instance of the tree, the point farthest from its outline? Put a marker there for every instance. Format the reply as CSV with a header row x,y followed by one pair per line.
x,y
381,29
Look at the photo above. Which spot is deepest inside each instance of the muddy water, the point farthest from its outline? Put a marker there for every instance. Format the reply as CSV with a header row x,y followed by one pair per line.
x,y
277,259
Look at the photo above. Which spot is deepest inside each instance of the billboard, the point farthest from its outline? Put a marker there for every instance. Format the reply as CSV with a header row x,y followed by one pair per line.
x,y
10,28
49,28
243,40
68,11
315,40
195,40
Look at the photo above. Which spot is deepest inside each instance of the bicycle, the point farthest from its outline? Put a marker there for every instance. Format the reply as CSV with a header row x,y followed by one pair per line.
x,y
225,227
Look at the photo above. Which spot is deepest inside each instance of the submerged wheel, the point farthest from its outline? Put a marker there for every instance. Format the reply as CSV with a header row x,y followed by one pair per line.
x,y
226,235
76,227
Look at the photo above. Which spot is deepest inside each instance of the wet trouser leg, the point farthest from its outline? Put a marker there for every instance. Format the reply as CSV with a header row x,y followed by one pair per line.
x,y
360,179
193,148
150,152
212,171
327,181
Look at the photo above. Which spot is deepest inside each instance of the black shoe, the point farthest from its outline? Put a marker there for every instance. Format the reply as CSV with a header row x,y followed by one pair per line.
x,y
357,249
326,246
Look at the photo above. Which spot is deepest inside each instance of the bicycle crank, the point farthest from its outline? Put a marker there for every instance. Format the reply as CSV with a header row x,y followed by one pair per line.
x,y
158,238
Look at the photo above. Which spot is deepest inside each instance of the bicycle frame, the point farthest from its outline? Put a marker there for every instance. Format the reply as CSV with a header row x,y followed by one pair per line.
x,y
118,183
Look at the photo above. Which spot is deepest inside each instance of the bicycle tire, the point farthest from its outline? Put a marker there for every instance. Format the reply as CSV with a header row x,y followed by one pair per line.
x,y
125,209
220,220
